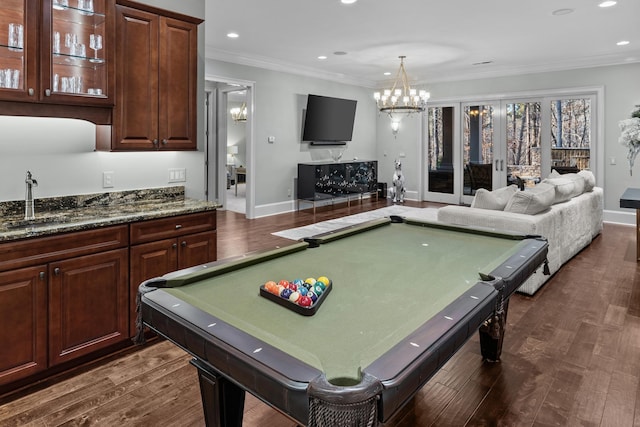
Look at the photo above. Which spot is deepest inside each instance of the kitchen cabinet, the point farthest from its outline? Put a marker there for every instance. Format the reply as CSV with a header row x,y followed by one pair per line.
x,y
163,245
156,81
23,331
88,304
59,56
62,297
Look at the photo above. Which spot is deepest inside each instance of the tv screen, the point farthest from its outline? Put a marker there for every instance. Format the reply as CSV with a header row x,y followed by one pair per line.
x,y
328,120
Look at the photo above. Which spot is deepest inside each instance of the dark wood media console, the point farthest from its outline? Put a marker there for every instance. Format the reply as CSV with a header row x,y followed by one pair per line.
x,y
327,181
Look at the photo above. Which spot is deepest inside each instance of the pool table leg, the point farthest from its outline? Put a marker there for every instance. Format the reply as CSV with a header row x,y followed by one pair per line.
x,y
222,400
492,333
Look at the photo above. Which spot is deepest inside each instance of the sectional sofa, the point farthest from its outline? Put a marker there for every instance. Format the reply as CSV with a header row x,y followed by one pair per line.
x,y
565,209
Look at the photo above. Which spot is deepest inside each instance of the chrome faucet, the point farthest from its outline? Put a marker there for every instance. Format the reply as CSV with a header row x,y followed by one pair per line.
x,y
29,211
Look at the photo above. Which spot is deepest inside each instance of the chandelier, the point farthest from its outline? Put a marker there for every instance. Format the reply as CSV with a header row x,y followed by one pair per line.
x,y
401,98
239,114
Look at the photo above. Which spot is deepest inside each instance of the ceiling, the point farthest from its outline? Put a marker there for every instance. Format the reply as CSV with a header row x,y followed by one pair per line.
x,y
443,41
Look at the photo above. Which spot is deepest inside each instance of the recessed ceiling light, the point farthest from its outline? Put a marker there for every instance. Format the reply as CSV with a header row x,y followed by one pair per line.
x,y
233,35
559,12
608,3
322,57
388,73
623,42
348,1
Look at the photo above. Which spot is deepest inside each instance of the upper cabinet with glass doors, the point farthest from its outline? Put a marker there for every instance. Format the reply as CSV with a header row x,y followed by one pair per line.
x,y
69,41
18,40
77,58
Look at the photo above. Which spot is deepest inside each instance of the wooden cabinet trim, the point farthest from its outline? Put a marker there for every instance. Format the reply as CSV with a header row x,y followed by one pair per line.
x,y
170,227
161,12
26,252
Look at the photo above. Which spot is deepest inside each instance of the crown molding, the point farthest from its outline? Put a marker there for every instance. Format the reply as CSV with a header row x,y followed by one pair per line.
x,y
270,64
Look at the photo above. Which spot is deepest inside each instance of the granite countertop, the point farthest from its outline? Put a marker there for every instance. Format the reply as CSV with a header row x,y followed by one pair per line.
x,y
83,212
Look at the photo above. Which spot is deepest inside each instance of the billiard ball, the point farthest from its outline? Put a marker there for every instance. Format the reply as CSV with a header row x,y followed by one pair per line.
x,y
284,283
318,288
294,297
298,282
304,301
303,290
325,280
293,287
312,295
271,287
310,281
286,293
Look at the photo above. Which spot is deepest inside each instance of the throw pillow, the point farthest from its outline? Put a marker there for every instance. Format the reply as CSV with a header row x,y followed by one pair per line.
x,y
578,183
589,180
564,188
495,200
533,200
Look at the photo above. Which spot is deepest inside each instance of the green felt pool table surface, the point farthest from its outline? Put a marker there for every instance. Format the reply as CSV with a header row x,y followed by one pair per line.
x,y
396,290
380,294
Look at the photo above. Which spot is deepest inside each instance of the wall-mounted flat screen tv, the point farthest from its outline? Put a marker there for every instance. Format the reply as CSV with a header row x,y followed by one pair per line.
x,y
328,121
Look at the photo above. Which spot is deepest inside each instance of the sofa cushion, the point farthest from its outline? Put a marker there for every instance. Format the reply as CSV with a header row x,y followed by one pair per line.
x,y
495,200
589,180
532,201
564,188
578,183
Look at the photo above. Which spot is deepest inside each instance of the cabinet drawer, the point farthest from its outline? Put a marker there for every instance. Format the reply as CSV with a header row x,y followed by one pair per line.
x,y
41,250
164,228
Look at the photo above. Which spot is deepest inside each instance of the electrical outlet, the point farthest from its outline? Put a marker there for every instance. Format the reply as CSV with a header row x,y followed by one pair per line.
x,y
107,179
288,192
177,175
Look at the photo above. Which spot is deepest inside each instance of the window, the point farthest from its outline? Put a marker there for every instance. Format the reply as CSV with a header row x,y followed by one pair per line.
x,y
570,134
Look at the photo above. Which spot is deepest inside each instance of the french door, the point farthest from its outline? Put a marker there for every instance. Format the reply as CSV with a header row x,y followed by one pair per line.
x,y
494,143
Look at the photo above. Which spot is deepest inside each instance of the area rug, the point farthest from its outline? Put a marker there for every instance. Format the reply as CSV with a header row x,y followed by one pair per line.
x,y
298,233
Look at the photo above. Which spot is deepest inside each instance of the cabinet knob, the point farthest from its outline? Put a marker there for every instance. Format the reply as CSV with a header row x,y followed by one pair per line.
x,y
155,142
175,245
164,141
183,244
178,226
41,275
56,271
31,91
47,92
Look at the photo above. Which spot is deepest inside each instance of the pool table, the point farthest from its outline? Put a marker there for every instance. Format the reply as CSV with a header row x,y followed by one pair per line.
x,y
405,296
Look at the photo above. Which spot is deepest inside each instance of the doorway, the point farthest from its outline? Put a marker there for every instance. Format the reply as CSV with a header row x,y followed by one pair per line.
x,y
229,146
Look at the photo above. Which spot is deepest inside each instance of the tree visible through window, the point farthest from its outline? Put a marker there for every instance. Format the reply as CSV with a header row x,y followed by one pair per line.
x,y
570,134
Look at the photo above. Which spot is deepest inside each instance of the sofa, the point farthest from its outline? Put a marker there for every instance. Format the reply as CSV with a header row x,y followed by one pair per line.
x,y
565,209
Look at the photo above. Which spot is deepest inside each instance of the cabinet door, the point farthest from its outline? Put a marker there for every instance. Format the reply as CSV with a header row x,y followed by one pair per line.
x,y
88,304
178,84
149,260
18,50
135,121
76,52
23,330
197,249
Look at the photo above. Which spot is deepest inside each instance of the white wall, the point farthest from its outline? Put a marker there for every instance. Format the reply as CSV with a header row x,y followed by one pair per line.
x,y
60,154
279,102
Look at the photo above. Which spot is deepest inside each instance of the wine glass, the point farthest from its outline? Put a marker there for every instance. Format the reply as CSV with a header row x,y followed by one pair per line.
x,y
95,43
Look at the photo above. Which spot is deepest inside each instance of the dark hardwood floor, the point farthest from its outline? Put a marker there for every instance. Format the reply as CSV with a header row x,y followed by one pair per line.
x,y
571,355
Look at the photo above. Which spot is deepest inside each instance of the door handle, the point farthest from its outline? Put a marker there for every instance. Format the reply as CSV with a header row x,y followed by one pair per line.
x,y
501,165
497,165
